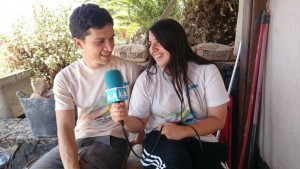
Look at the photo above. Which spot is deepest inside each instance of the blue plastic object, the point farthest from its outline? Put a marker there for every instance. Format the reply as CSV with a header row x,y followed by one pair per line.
x,y
113,78
4,160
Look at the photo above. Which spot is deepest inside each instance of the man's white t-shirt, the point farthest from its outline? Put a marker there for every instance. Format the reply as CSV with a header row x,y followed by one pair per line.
x,y
81,86
156,98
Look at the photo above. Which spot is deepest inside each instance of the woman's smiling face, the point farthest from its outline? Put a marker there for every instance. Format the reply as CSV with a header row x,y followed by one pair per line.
x,y
159,54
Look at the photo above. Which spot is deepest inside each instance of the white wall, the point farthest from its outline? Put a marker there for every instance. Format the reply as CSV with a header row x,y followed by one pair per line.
x,y
280,123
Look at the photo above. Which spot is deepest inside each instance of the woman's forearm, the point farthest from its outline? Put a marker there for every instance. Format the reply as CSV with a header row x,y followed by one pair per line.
x,y
134,124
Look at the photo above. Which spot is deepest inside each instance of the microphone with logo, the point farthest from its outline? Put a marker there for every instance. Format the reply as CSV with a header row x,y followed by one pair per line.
x,y
115,92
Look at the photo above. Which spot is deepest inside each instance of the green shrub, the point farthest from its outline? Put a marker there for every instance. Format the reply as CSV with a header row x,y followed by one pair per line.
x,y
44,44
4,68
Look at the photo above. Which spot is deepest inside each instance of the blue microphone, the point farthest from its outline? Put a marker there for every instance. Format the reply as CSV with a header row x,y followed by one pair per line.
x,y
115,91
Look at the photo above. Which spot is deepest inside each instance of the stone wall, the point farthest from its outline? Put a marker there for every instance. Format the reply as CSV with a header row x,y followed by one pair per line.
x,y
16,139
9,85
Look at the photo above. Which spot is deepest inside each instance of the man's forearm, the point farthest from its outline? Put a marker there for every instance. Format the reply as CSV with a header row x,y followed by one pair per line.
x,y
68,151
66,139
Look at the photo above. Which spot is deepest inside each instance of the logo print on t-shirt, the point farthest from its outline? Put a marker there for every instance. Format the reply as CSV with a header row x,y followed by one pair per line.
x,y
99,111
175,117
193,86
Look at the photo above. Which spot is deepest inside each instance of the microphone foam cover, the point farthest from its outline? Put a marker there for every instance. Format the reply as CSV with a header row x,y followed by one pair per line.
x,y
113,78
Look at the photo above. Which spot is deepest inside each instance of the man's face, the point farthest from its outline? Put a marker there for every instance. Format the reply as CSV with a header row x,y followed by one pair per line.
x,y
97,46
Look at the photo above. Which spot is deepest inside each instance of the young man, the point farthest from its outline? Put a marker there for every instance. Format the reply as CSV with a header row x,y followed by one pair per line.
x,y
98,142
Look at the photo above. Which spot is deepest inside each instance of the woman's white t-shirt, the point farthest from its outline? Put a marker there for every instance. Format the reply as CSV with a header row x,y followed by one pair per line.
x,y
156,98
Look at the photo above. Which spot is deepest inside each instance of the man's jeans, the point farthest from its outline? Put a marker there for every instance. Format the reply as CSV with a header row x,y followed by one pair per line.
x,y
103,152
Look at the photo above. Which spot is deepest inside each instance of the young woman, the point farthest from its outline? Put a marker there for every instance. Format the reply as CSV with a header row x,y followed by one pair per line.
x,y
179,101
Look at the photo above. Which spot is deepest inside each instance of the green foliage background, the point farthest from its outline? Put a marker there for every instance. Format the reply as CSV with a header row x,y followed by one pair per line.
x,y
45,46
133,17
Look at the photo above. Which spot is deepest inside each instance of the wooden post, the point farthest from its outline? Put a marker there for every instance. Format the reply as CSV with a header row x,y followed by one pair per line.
x,y
250,33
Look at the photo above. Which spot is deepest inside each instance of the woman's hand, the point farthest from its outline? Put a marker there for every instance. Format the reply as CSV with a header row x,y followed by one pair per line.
x,y
215,121
173,131
118,111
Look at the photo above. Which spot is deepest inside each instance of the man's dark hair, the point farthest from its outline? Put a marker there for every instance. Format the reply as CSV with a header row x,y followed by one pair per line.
x,y
88,16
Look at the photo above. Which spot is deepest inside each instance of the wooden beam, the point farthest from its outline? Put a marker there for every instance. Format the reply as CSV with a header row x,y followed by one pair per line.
x,y
167,10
